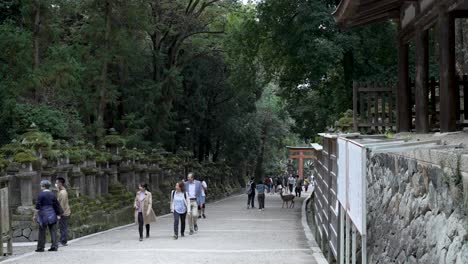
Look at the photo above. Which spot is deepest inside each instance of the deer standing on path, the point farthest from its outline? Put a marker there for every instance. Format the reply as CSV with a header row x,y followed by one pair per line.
x,y
286,199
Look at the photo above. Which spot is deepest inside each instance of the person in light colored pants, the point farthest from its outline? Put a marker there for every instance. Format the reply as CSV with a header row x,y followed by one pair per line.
x,y
193,215
194,191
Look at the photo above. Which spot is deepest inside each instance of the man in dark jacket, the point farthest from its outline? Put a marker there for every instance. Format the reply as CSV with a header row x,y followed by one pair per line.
x,y
47,215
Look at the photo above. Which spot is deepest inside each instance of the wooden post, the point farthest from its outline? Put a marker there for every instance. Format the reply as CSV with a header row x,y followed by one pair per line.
x,y
353,245
390,106
421,87
432,85
362,103
465,95
342,233
369,104
404,114
348,238
355,107
446,33
376,106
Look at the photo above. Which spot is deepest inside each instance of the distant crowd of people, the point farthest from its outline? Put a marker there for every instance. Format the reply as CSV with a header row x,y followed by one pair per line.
x,y
187,199
279,184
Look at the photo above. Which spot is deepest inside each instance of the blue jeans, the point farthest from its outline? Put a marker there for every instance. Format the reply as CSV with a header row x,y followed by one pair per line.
x,y
63,224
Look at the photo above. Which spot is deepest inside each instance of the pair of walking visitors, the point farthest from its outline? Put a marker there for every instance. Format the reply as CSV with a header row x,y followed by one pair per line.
x,y
47,214
188,198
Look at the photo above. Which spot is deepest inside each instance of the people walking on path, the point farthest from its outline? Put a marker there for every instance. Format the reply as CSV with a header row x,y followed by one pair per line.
x,y
202,201
180,206
279,185
62,197
47,214
298,188
267,184
143,206
306,184
261,195
251,193
194,190
291,181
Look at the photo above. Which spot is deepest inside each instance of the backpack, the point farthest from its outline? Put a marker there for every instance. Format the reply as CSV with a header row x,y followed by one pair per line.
x,y
248,188
173,193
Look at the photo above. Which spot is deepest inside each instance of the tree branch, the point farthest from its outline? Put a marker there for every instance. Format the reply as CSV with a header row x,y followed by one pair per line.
x,y
204,6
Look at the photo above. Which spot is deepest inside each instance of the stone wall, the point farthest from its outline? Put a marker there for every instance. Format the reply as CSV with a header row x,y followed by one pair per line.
x,y
417,207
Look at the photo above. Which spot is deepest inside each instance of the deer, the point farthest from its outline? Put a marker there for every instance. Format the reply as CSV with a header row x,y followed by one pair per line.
x,y
286,199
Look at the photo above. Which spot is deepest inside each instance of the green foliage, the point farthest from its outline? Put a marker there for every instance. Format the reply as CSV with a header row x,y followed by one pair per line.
x,y
25,156
36,139
314,62
345,123
3,162
47,119
113,140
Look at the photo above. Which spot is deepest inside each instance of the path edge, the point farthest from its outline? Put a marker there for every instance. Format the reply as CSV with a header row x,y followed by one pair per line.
x,y
316,251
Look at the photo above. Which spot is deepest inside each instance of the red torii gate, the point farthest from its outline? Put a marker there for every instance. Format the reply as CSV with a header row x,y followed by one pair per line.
x,y
301,153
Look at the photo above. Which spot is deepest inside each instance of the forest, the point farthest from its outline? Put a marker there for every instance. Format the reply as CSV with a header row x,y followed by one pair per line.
x,y
223,80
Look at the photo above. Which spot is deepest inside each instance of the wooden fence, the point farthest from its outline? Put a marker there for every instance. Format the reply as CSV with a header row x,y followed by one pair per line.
x,y
324,202
374,104
5,218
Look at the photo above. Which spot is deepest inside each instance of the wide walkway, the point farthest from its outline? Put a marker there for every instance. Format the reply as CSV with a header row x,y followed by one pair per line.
x,y
229,234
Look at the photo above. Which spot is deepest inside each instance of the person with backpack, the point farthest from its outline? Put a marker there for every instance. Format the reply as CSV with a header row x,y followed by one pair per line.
x,y
180,206
250,191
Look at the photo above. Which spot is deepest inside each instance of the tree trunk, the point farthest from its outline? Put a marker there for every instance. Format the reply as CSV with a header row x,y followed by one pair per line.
x,y
36,40
259,172
103,88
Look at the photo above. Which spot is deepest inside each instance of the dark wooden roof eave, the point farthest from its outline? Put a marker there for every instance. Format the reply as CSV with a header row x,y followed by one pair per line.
x,y
351,13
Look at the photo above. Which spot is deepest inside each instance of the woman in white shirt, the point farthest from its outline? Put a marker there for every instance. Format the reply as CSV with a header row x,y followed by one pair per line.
x,y
180,206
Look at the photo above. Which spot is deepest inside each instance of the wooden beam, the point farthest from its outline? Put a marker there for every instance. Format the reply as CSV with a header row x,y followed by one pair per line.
x,y
421,86
446,34
355,107
404,115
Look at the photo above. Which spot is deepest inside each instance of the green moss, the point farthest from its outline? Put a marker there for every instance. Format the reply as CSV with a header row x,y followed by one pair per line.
x,y
113,140
54,154
9,150
3,163
37,139
82,153
25,157
132,154
103,157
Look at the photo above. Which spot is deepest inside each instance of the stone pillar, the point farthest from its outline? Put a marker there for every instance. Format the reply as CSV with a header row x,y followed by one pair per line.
x,y
127,176
90,182
26,174
77,181
153,172
113,174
